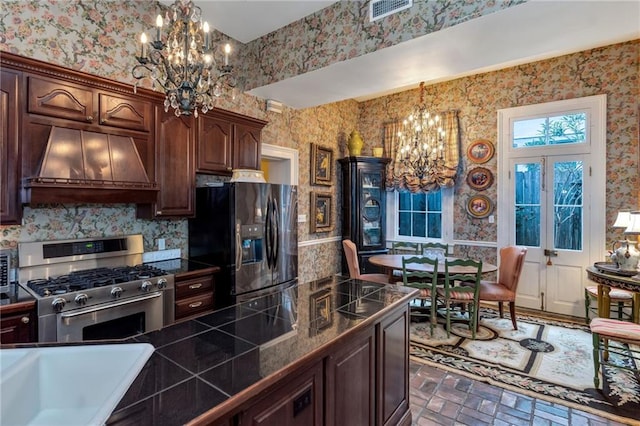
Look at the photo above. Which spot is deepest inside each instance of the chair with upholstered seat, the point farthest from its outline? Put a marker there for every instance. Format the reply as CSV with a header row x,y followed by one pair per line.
x,y
504,290
426,281
606,330
351,254
619,298
461,288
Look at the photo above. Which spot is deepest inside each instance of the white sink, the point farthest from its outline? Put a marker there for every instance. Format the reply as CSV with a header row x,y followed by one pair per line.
x,y
69,385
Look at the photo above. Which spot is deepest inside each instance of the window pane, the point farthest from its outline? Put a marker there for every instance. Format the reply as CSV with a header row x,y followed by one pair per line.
x,y
404,199
434,225
434,201
527,183
526,132
552,130
528,226
404,224
567,129
567,198
419,202
419,224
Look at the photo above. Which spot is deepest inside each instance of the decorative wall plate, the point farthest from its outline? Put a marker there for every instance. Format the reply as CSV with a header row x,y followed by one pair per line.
x,y
479,206
480,151
479,178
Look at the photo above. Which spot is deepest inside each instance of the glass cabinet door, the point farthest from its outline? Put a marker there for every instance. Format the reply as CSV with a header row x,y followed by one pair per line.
x,y
371,208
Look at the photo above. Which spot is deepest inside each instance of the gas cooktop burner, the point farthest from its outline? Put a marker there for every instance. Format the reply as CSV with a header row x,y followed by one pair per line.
x,y
92,278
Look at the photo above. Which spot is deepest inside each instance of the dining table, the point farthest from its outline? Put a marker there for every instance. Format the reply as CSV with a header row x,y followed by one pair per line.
x,y
606,280
393,262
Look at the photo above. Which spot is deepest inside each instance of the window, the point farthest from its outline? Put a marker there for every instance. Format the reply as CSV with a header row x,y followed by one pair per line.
x,y
552,130
420,217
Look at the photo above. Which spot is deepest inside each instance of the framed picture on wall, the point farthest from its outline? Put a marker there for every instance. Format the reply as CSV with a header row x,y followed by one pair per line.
x,y
321,164
479,206
320,212
320,315
480,151
479,178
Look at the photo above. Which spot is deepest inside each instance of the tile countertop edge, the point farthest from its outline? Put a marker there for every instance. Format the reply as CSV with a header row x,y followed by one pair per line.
x,y
229,406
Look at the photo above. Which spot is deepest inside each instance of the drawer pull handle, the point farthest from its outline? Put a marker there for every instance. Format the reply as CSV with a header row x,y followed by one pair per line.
x,y
25,320
195,305
194,286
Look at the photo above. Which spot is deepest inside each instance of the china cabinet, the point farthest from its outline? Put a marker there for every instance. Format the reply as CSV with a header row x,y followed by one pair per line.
x,y
364,207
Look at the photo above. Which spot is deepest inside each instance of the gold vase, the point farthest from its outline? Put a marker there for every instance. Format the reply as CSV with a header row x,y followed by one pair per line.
x,y
355,144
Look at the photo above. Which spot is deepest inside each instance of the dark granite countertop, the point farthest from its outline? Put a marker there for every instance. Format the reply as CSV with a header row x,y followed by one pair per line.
x,y
16,295
181,266
202,362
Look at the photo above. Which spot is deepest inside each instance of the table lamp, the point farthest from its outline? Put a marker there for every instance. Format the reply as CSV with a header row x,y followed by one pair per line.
x,y
627,256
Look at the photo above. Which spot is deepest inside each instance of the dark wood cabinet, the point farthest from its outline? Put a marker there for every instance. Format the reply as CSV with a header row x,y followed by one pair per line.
x,y
297,402
228,141
175,166
55,98
364,207
214,144
393,369
124,112
18,323
10,211
350,376
194,292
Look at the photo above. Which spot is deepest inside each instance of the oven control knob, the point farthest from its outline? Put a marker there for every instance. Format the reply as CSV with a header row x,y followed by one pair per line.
x,y
81,299
162,283
58,304
116,292
146,286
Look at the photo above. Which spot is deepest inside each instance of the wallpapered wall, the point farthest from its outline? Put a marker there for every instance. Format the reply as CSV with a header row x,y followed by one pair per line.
x,y
99,37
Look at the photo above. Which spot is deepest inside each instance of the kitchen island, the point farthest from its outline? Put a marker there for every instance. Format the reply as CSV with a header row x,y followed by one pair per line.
x,y
332,351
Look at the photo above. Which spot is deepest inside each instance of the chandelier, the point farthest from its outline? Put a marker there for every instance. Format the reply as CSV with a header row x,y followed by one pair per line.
x,y
183,63
421,141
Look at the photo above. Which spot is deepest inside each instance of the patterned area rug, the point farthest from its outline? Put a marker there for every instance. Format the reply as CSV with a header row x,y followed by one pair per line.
x,y
545,358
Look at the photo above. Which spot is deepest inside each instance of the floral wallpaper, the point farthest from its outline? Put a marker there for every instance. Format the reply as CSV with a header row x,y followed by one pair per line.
x,y
99,36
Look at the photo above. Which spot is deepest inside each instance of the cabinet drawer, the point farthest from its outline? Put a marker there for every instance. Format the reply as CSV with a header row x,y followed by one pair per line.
x,y
57,99
194,305
193,287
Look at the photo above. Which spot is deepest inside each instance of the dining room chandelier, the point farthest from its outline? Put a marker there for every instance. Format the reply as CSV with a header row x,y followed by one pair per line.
x,y
421,141
192,73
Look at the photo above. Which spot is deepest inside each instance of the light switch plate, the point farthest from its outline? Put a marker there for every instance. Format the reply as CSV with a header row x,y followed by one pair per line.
x,y
302,218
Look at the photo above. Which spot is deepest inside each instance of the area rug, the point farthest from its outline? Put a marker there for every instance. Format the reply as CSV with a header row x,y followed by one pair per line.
x,y
545,358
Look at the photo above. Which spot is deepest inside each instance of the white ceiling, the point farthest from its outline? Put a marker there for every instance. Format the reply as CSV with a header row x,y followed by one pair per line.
x,y
535,30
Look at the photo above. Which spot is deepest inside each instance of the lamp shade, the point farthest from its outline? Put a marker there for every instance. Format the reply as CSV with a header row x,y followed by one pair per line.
x,y
634,224
623,219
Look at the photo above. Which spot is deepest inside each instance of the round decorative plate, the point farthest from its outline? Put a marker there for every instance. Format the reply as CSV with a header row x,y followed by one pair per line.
x,y
480,178
479,206
480,151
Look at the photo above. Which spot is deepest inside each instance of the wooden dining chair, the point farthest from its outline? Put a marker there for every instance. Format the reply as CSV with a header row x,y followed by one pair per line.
x,y
351,254
461,286
402,247
425,247
504,290
426,281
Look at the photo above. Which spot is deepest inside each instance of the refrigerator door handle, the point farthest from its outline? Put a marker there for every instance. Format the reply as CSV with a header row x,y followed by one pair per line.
x,y
238,248
276,233
267,233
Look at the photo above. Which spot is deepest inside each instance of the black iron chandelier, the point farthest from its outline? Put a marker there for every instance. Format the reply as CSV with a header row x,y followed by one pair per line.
x,y
421,141
183,63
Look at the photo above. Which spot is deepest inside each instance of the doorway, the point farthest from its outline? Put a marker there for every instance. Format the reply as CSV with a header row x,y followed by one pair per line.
x,y
279,164
552,198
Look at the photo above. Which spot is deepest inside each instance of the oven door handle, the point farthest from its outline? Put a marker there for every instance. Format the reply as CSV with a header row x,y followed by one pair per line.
x,y
109,305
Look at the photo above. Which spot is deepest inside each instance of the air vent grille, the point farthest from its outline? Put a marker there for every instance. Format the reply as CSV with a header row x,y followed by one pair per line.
x,y
381,8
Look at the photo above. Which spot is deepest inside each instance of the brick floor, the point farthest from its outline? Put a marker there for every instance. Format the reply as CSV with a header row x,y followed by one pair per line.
x,y
438,397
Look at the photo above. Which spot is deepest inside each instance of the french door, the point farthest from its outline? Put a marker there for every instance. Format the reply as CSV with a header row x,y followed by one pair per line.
x,y
552,197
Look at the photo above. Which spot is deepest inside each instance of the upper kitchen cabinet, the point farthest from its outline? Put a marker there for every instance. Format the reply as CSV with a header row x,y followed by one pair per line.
x,y
175,166
82,138
364,207
10,212
228,141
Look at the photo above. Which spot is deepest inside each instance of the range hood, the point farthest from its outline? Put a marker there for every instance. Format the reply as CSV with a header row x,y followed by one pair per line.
x,y
81,166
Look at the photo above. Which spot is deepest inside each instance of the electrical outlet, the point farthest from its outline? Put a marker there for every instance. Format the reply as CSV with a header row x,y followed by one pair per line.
x,y
161,244
302,218
491,218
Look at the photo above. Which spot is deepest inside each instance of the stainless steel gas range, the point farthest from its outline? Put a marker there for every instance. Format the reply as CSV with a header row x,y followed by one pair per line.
x,y
95,288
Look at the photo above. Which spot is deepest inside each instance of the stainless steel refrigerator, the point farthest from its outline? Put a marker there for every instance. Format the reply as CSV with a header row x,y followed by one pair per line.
x,y
250,231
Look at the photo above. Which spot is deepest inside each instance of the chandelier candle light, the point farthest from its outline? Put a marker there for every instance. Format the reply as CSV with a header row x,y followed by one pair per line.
x,y
184,64
421,141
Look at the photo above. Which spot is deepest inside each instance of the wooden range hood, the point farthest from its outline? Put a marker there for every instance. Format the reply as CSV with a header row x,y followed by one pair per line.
x,y
80,166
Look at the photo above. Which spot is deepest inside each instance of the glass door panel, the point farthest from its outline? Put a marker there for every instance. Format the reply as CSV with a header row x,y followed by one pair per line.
x,y
568,207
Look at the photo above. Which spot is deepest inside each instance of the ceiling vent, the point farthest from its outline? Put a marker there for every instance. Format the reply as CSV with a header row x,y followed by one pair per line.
x,y
381,8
